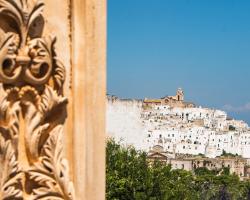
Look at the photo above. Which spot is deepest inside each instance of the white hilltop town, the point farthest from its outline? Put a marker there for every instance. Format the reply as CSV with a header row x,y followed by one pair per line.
x,y
181,133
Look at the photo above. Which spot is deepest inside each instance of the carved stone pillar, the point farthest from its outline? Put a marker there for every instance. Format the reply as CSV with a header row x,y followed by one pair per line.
x,y
52,99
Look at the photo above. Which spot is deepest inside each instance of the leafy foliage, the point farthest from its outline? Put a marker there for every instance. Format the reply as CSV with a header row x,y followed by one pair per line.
x,y
232,128
225,154
129,176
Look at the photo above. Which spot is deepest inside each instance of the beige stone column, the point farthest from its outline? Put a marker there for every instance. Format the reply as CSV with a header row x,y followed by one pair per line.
x,y
89,94
52,96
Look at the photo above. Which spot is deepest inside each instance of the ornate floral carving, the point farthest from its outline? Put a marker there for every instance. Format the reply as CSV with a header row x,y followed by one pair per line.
x,y
42,114
10,173
52,173
9,110
25,57
32,107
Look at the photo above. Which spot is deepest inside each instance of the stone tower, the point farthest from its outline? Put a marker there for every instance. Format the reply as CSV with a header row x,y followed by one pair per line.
x,y
180,94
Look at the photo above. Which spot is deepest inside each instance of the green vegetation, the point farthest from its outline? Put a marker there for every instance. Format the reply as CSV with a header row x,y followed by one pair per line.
x,y
129,176
201,155
225,154
232,128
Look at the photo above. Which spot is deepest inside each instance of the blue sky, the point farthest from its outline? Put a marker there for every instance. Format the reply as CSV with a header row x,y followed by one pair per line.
x,y
203,46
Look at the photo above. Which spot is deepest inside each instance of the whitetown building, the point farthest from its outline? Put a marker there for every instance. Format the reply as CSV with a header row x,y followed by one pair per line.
x,y
176,126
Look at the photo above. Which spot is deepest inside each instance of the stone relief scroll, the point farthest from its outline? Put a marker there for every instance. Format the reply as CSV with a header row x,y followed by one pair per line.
x,y
32,107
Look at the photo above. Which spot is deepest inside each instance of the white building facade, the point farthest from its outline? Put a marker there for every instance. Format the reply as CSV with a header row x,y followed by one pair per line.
x,y
178,130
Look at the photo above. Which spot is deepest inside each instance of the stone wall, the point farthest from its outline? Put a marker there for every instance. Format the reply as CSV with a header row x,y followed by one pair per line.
x,y
124,121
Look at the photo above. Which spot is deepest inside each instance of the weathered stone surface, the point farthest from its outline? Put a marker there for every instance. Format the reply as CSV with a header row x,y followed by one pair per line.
x,y
52,75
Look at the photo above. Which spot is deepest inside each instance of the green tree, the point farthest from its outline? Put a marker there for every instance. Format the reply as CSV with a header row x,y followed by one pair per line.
x,y
130,176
